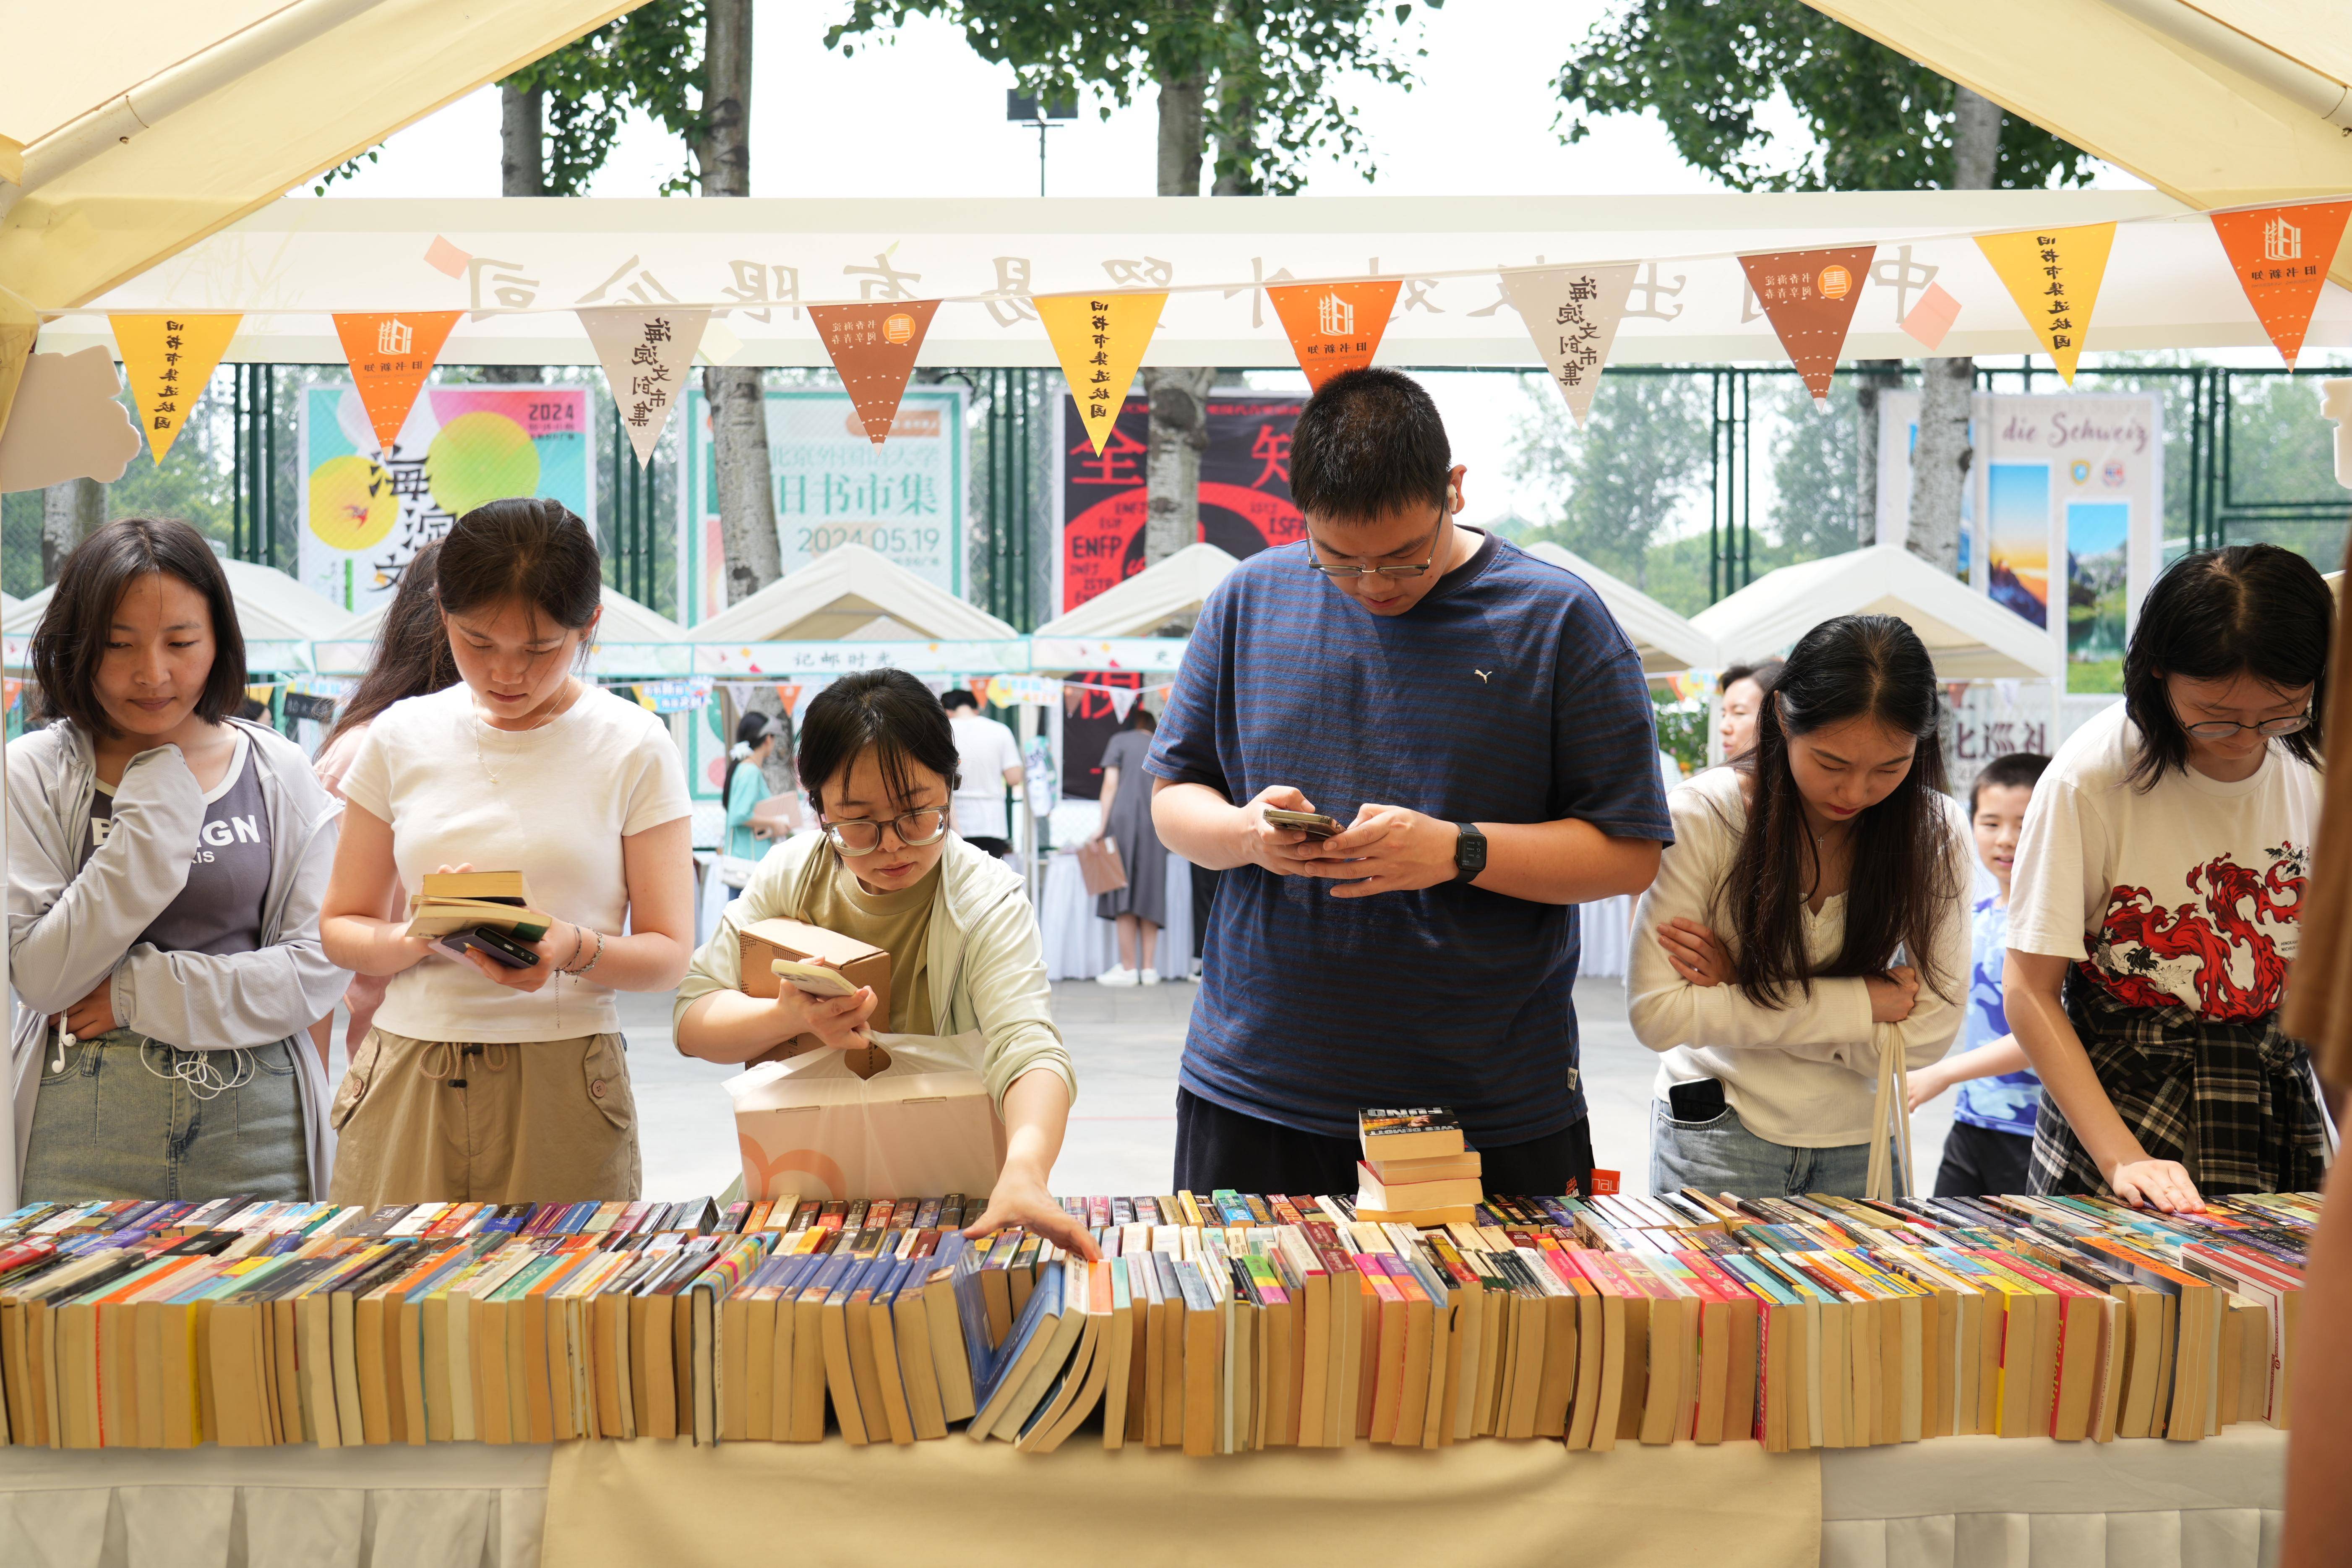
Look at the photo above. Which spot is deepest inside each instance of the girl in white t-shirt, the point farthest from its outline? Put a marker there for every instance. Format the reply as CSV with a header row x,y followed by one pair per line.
x,y
480,1082
2159,893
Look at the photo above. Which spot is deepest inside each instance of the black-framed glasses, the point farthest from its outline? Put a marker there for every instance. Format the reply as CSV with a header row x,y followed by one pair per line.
x,y
2269,728
916,830
1357,573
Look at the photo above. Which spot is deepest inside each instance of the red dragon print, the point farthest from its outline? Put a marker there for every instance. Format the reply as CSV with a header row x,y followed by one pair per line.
x,y
2139,934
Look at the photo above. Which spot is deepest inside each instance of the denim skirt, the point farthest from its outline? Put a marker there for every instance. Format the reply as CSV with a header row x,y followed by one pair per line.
x,y
123,1116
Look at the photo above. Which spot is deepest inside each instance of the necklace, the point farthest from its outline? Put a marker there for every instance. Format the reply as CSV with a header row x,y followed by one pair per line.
x,y
482,724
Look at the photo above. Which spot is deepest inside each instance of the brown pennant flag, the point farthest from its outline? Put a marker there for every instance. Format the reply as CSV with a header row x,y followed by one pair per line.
x,y
874,348
1809,296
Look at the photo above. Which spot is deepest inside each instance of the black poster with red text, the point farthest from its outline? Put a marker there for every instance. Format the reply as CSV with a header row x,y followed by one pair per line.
x,y
1244,507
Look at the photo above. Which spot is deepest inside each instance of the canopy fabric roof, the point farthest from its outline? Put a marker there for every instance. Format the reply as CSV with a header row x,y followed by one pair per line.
x,y
1142,604
1969,636
625,621
2169,284
271,606
1668,642
2220,103
132,129
841,591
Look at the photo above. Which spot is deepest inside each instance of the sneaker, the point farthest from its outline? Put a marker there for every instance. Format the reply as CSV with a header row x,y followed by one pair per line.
x,y
1150,977
1116,975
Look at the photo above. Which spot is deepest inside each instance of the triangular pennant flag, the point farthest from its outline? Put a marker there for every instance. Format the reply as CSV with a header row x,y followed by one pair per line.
x,y
167,360
1122,701
1931,319
2054,274
1572,313
391,353
1100,340
645,356
979,688
874,349
789,696
1809,295
1335,326
2282,256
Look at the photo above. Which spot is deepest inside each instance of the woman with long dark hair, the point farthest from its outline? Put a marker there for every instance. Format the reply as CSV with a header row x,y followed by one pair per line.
x,y
2157,897
1806,941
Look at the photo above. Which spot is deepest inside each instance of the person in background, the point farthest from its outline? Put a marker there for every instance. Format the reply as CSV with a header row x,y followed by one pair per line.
x,y
1480,725
1810,919
1141,908
878,762
1991,1145
411,658
1740,690
2158,899
480,1082
987,759
165,866
743,788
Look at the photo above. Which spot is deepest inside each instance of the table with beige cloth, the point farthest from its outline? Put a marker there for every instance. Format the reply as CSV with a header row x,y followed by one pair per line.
x,y
1966,1502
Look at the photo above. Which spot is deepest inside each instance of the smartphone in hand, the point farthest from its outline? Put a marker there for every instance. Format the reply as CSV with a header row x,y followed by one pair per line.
x,y
1314,823
490,942
814,978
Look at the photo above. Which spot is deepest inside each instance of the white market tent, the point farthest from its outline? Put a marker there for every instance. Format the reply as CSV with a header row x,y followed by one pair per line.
x,y
1969,636
1668,642
851,593
1168,590
271,608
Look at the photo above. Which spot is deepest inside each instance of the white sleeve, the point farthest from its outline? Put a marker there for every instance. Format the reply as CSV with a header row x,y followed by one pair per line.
x,y
2060,885
1934,1022
656,782
1012,749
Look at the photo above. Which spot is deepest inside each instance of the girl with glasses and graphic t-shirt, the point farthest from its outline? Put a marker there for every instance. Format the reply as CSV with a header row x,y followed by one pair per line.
x,y
2158,897
878,758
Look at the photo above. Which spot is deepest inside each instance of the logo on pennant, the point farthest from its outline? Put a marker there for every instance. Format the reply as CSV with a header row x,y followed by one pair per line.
x,y
1807,296
2281,256
1572,313
1335,327
645,356
874,349
2054,274
391,353
167,360
1100,340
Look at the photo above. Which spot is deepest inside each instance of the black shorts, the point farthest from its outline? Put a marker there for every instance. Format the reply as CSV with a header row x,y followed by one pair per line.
x,y
1980,1163
1219,1148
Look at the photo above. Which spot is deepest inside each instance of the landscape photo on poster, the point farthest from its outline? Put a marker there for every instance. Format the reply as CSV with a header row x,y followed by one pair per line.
x,y
2017,539
2099,547
360,522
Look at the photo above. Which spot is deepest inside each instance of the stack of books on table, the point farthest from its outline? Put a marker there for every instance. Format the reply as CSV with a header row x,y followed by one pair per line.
x,y
1416,1169
1211,1325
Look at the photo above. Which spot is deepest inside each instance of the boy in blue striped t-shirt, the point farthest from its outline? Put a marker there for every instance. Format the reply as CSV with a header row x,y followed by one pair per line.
x,y
1479,723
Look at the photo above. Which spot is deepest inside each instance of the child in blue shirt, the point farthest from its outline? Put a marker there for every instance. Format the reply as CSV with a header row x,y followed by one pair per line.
x,y
1991,1141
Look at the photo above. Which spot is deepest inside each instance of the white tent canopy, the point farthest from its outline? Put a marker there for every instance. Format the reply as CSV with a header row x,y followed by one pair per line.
x,y
1668,642
1161,593
270,607
625,621
1969,636
845,592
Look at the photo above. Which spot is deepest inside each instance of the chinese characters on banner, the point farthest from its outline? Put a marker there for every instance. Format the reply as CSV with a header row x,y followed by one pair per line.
x,y
874,349
362,516
1809,296
645,356
167,360
1572,315
2281,256
1100,341
2054,274
391,353
1335,326
1993,718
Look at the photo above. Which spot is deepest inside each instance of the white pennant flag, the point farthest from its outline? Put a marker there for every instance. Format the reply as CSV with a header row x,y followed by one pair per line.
x,y
1123,699
1572,313
645,356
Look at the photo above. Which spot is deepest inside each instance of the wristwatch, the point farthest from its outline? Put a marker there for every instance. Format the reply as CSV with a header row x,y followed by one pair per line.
x,y
1469,852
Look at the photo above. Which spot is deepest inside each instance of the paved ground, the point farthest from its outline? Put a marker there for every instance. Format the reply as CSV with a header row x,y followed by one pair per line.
x,y
1126,1044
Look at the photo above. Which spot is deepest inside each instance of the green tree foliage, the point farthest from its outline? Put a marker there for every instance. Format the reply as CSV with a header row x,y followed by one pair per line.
x,y
1627,484
1715,71
646,61
1814,480
1275,66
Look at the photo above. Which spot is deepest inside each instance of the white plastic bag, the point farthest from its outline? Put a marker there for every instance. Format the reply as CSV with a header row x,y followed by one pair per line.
x,y
922,1127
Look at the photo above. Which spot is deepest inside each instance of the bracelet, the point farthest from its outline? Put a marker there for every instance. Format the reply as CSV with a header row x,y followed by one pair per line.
x,y
594,961
579,937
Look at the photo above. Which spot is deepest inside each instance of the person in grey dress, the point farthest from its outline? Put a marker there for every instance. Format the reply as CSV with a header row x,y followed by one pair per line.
x,y
1141,908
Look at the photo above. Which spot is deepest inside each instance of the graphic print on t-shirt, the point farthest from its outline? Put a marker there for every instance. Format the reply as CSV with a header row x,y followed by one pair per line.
x,y
2225,952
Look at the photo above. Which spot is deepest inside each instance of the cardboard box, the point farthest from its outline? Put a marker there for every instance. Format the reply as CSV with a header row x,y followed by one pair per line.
x,y
761,943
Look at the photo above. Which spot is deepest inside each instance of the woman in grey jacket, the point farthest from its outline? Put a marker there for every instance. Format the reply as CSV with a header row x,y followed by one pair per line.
x,y
165,865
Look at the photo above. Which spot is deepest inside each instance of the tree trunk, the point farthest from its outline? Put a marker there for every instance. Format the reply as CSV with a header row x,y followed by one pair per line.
x,y
1939,459
70,512
1872,376
1178,395
1183,139
522,171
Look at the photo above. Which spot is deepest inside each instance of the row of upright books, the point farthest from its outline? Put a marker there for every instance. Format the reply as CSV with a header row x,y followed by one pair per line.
x,y
1211,1325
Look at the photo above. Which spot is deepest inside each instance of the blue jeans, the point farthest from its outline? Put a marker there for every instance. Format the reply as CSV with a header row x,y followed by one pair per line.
x,y
1720,1156
118,1120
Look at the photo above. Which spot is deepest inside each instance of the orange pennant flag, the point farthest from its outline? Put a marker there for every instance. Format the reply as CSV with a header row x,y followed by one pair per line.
x,y
2281,256
391,353
874,348
167,360
1335,326
1809,297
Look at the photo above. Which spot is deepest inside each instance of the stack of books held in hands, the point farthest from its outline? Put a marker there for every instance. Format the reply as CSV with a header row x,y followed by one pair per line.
x,y
451,901
1213,1324
1416,1169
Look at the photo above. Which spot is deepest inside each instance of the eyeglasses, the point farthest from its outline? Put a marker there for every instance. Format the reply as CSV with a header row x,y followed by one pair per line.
x,y
2269,728
916,830
1355,574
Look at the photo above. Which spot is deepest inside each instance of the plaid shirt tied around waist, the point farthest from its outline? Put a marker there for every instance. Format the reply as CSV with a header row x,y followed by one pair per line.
x,y
2229,1099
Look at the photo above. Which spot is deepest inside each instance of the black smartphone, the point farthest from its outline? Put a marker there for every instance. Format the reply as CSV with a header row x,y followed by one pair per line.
x,y
1314,823
1700,1099
491,943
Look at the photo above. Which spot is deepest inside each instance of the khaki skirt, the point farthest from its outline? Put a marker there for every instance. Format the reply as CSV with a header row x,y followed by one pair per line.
x,y
442,1122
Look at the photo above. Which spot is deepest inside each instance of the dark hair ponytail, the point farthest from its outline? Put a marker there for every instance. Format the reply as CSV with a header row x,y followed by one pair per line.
x,y
412,651
888,709
524,551
750,730
2246,609
1902,884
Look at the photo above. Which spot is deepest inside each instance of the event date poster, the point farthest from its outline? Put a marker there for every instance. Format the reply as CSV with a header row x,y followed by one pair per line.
x,y
1244,507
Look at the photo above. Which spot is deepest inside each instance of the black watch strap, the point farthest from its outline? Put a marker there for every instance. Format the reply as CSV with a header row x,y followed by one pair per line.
x,y
1469,852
